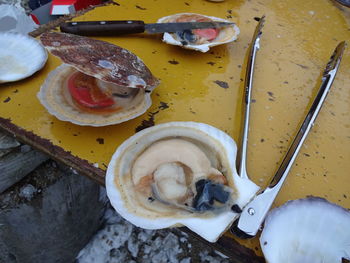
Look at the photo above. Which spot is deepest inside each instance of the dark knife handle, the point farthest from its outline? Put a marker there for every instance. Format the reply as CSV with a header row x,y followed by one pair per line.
x,y
103,28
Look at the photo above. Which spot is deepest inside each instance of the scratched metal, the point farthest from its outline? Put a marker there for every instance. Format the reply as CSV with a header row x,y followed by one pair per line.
x,y
299,36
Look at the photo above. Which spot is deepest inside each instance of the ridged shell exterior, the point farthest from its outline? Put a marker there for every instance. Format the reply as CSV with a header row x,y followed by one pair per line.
x,y
101,60
20,56
229,34
310,230
209,228
50,95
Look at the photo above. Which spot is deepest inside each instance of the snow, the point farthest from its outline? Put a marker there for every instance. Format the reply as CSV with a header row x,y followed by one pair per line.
x,y
133,246
182,239
206,257
105,245
27,191
120,241
220,254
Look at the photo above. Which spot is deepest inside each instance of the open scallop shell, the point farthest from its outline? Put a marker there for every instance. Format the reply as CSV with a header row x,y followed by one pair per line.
x,y
57,101
226,35
156,215
20,57
310,230
108,64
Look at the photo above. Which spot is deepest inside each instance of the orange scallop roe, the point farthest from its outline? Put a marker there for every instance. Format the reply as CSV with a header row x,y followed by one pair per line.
x,y
85,92
207,33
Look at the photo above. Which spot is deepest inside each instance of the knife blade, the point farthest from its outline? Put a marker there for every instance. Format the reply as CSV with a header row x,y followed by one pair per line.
x,y
254,213
116,27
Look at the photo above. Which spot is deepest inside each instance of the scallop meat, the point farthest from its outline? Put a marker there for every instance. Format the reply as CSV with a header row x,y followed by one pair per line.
x,y
98,84
199,39
178,174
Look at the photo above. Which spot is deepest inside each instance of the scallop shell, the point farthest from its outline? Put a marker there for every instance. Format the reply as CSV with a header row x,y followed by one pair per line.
x,y
100,59
103,61
125,200
307,230
226,35
52,98
21,56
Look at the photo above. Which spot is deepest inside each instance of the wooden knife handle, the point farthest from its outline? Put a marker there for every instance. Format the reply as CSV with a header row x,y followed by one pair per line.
x,y
103,28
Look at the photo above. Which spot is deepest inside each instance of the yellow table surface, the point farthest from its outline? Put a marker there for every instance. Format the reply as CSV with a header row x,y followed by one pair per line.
x,y
298,39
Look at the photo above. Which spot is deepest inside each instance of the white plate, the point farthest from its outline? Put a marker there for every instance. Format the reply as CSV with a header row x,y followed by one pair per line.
x,y
20,56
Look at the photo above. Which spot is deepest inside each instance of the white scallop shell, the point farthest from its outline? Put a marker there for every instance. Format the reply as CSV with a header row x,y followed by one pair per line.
x,y
50,96
209,228
310,230
21,56
228,34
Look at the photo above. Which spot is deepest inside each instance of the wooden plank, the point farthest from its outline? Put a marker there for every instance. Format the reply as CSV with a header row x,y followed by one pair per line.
x,y
17,164
79,165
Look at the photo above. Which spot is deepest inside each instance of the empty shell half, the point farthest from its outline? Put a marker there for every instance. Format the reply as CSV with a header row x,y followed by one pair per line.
x,y
199,39
20,57
99,83
178,174
310,230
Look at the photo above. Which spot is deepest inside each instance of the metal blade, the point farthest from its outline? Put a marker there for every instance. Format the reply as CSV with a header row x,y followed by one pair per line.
x,y
178,27
255,212
334,61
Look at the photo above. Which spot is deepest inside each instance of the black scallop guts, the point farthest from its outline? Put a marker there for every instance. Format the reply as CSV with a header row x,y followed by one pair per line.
x,y
210,196
186,37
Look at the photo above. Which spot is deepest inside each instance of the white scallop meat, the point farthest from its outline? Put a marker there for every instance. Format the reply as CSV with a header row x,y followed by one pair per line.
x,y
177,158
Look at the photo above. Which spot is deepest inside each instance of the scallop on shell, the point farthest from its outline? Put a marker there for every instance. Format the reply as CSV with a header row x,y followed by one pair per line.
x,y
99,83
310,230
199,39
20,56
178,174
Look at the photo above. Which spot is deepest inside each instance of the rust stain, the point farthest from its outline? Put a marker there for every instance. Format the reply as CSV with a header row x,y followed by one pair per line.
x,y
150,121
222,84
100,140
173,62
147,123
139,7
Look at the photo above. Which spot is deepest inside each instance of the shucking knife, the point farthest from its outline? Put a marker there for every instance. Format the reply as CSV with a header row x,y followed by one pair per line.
x,y
254,213
111,28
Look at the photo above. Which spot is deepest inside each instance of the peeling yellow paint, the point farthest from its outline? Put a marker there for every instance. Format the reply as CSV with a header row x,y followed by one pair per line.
x,y
298,39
